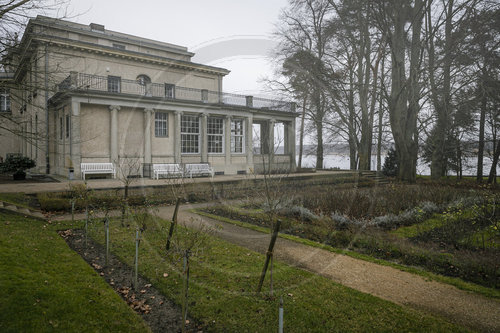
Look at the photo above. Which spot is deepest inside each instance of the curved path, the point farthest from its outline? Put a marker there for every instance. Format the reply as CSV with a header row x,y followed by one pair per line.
x,y
461,307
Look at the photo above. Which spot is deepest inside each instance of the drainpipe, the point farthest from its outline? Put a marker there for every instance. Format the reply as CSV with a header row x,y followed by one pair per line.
x,y
47,145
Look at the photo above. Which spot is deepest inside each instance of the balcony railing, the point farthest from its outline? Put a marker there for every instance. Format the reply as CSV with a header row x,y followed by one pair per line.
x,y
110,84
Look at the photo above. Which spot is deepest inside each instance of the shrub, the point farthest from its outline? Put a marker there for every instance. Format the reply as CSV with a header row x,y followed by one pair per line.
x,y
300,212
18,165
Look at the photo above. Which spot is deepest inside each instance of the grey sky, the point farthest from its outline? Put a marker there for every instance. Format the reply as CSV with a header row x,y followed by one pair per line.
x,y
211,28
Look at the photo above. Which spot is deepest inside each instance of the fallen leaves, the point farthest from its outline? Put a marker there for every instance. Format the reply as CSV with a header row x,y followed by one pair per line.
x,y
96,266
66,233
138,305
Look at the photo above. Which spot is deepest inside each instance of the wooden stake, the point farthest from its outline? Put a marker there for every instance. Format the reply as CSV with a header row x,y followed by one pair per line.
x,y
269,254
174,222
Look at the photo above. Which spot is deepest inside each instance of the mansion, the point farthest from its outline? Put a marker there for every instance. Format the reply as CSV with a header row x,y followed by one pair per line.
x,y
73,93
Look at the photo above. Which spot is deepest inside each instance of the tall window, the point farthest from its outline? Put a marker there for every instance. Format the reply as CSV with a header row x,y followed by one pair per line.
x,y
4,100
190,135
169,90
161,124
145,84
237,136
215,135
114,84
60,128
68,126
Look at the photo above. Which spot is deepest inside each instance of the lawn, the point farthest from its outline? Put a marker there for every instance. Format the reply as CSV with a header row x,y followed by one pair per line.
x,y
48,287
223,278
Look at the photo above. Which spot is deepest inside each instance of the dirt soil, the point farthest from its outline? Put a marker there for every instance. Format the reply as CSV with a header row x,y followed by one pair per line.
x,y
159,313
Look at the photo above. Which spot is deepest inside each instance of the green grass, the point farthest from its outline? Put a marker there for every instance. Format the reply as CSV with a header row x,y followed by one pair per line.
x,y
47,287
416,229
19,199
459,283
223,278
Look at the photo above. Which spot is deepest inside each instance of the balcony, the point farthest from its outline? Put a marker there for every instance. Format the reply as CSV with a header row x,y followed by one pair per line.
x,y
117,85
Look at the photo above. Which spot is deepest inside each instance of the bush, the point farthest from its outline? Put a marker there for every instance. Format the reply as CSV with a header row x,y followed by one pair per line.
x,y
17,164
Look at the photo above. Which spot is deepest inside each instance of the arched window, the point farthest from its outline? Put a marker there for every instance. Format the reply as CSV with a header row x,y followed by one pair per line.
x,y
143,80
145,83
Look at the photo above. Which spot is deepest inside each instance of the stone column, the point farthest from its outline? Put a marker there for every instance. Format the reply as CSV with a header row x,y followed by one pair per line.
x,y
227,140
147,135
177,136
249,142
291,144
204,138
270,136
114,133
76,157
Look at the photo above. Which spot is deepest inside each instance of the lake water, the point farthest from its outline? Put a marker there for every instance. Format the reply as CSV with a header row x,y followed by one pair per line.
x,y
342,162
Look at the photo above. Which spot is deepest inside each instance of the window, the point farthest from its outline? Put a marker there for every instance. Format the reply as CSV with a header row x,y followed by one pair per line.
x,y
36,136
96,27
4,100
143,80
237,136
68,126
169,90
190,135
161,124
60,128
114,84
204,95
215,135
145,84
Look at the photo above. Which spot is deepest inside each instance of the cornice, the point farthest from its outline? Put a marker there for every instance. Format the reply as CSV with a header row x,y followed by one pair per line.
x,y
126,54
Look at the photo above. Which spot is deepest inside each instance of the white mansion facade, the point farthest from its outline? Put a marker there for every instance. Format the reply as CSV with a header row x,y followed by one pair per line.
x,y
72,94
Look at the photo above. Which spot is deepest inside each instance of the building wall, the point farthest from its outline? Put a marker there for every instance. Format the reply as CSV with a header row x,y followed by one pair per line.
x,y
62,61
162,148
95,132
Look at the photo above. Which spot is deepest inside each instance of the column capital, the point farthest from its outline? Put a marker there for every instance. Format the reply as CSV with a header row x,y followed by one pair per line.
x,y
149,110
178,113
204,115
115,107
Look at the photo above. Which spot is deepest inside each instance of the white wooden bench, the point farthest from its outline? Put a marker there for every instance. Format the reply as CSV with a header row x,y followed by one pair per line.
x,y
97,168
169,170
198,169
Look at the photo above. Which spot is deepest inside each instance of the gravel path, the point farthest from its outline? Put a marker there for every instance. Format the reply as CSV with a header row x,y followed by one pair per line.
x,y
461,307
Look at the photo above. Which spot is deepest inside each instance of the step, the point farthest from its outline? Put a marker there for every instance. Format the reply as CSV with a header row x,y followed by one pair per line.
x,y
38,214
24,210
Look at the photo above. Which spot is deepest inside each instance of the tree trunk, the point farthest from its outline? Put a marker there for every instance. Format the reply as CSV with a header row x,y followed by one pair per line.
x,y
380,120
492,178
482,120
319,148
404,97
442,98
301,139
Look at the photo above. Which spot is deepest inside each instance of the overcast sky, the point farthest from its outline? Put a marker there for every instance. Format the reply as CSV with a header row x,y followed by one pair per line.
x,y
232,34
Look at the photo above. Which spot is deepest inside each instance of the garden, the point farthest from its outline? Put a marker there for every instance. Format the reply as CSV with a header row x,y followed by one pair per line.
x,y
446,229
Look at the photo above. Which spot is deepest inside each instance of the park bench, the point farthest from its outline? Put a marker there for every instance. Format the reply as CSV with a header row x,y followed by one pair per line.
x,y
97,168
198,169
169,170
